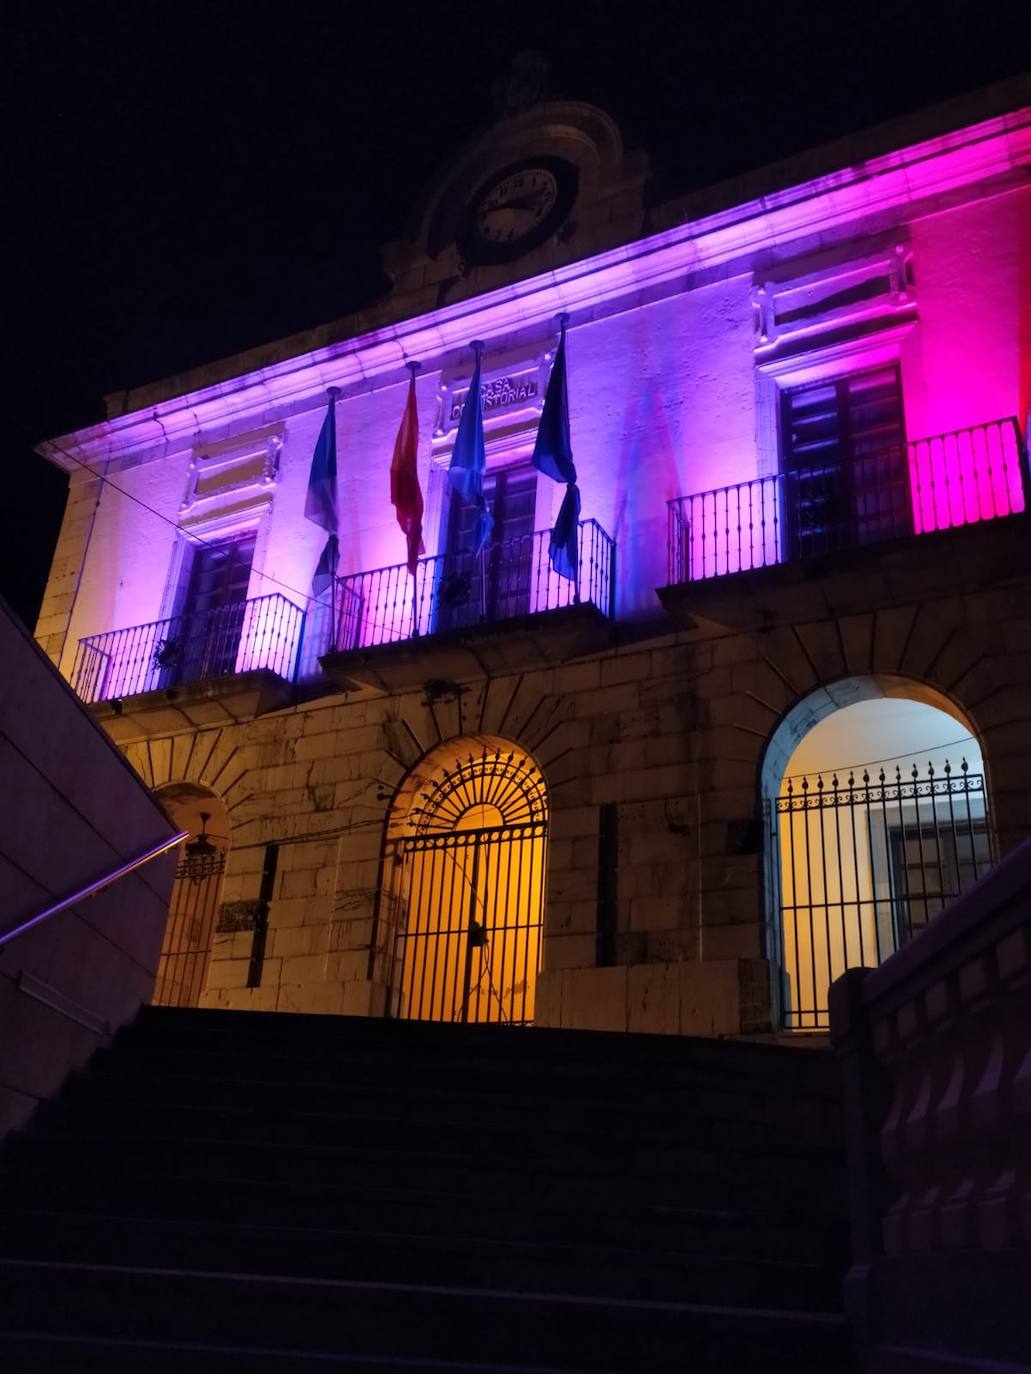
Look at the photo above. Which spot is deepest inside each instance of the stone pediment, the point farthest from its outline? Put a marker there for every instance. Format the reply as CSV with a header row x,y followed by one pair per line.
x,y
571,155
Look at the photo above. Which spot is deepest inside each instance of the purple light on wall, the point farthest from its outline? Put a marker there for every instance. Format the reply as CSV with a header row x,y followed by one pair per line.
x,y
270,636
663,385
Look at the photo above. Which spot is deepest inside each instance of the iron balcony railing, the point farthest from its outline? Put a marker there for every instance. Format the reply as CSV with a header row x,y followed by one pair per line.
x,y
965,477
190,648
509,579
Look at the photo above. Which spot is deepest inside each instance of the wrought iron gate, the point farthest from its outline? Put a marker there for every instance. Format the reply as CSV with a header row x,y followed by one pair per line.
x,y
471,939
467,938
186,948
858,867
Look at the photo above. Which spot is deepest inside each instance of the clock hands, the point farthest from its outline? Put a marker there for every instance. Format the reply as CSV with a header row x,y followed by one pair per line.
x,y
518,208
519,203
525,203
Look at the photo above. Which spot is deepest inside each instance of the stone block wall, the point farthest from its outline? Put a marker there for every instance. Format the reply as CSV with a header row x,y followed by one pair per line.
x,y
66,569
656,920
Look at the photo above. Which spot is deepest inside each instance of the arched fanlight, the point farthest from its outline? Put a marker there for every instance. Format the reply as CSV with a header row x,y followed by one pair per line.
x,y
507,785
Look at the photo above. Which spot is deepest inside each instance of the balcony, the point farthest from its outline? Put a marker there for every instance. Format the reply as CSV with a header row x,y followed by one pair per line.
x,y
466,615
743,543
204,668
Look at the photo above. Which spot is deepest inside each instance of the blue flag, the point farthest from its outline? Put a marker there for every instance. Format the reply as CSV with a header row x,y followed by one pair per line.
x,y
320,504
553,455
327,569
564,552
469,459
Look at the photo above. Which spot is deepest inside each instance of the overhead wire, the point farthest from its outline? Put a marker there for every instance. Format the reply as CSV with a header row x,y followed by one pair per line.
x,y
194,538
872,763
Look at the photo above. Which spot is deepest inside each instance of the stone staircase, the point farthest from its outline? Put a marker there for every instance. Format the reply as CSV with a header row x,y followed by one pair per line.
x,y
271,1193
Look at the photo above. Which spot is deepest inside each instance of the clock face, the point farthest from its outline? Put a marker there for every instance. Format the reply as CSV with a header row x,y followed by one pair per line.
x,y
518,209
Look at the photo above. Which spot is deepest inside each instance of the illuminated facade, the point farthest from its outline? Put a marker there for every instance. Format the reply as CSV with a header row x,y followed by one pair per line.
x,y
798,405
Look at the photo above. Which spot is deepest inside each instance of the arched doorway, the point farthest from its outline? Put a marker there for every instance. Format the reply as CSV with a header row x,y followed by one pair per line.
x,y
192,912
467,850
877,816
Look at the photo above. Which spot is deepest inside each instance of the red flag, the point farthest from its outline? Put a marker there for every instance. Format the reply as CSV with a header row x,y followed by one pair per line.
x,y
405,493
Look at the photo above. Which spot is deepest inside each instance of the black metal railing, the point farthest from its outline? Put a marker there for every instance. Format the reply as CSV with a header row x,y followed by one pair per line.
x,y
93,888
965,477
509,579
860,864
190,648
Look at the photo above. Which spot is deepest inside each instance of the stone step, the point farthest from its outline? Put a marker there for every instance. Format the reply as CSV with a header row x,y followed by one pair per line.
x,y
44,1353
419,1116
721,1269
776,1104
354,1039
281,1029
265,1192
595,1177
775,1070
685,1216
405,1321
229,1189
526,1055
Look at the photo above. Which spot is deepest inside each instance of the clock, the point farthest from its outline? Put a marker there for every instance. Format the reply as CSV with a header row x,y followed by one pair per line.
x,y
517,209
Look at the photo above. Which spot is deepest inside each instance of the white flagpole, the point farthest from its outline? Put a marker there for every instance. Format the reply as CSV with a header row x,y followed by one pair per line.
x,y
477,348
333,392
414,367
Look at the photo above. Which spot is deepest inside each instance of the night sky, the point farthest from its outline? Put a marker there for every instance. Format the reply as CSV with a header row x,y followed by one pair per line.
x,y
192,179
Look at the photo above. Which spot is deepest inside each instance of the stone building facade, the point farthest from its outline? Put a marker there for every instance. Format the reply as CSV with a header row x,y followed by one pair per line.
x,y
734,592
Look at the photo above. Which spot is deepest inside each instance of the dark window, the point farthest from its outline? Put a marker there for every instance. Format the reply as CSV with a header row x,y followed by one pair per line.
x,y
931,865
494,585
844,460
204,636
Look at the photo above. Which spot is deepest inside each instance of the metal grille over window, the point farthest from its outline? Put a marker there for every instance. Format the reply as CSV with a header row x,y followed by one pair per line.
x,y
472,886
190,929
862,863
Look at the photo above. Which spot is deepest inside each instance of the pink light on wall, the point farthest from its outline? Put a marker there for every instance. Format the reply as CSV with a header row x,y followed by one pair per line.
x,y
967,476
670,394
729,530
962,478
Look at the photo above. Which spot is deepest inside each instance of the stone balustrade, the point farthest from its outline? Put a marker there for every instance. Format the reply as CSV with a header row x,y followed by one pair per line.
x,y
935,1046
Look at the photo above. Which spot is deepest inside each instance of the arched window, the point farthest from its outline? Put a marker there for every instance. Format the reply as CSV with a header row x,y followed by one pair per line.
x,y
193,909
467,841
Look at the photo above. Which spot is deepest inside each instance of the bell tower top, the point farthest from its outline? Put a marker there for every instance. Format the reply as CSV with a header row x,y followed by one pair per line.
x,y
527,84
547,183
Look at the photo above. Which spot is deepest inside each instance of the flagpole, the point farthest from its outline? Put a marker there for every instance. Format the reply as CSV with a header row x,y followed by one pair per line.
x,y
333,392
477,348
579,552
562,319
413,368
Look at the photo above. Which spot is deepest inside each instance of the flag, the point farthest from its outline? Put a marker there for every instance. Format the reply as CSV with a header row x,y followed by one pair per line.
x,y
563,551
327,568
469,458
553,455
320,504
405,494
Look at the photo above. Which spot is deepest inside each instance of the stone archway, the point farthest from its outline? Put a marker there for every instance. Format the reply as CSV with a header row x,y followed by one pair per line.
x,y
876,816
461,911
193,909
